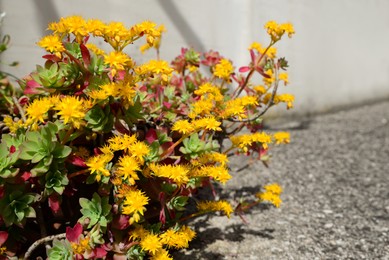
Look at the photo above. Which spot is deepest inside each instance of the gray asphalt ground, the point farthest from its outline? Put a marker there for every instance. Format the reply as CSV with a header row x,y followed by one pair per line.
x,y
335,176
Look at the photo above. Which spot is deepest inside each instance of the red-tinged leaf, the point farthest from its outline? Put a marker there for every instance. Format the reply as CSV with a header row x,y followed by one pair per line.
x,y
121,222
252,55
120,74
2,191
162,216
151,136
99,253
51,57
3,237
32,87
77,161
167,104
121,128
72,234
23,100
85,54
54,203
85,40
25,176
244,69
260,71
12,149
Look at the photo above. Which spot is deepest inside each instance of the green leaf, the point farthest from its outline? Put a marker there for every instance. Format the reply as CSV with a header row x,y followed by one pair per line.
x,y
61,250
178,203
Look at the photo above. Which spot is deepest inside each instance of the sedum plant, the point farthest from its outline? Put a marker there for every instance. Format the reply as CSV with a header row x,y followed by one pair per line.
x,y
101,156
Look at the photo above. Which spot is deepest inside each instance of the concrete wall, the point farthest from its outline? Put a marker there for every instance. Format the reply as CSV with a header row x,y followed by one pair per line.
x,y
338,57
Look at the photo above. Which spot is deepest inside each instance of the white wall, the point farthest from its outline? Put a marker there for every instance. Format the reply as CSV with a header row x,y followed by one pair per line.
x,y
338,57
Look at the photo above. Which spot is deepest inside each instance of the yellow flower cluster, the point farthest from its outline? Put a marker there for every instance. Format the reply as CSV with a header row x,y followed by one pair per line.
x,y
135,205
284,98
271,51
271,194
243,142
155,67
114,33
282,137
81,246
70,109
221,205
206,123
218,173
177,173
223,70
154,244
237,107
118,61
276,31
124,90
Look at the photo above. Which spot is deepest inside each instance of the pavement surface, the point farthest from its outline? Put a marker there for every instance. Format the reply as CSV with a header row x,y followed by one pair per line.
x,y
335,176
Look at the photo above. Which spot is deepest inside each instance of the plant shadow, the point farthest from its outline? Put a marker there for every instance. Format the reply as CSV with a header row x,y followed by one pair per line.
x,y
207,234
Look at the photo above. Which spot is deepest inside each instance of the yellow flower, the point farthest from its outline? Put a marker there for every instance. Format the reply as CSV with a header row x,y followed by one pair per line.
x,y
151,243
219,173
96,27
121,142
169,238
272,194
271,52
270,197
201,107
209,91
139,150
161,254
209,123
138,233
214,157
3,249
118,61
72,110
93,48
285,98
13,125
71,24
37,110
183,127
282,137
221,205
288,28
244,141
223,69
232,108
81,246
155,41
186,235
268,81
284,77
260,90
177,173
257,46
276,31
273,188
52,43
134,204
97,165
127,167
159,67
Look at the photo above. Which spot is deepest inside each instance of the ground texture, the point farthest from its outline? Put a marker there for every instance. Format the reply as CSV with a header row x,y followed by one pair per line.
x,y
335,176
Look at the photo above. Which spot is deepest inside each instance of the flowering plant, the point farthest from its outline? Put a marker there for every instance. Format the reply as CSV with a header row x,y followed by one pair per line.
x,y
101,156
